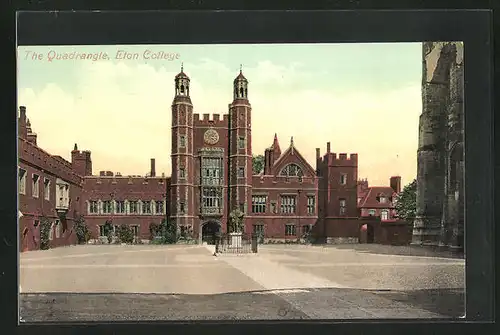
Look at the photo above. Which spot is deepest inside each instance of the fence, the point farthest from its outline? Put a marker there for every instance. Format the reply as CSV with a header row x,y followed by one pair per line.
x,y
236,244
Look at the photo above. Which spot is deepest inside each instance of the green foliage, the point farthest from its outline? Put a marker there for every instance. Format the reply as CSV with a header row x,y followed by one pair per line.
x,y
257,163
406,202
108,230
236,221
164,233
45,227
154,230
125,234
81,230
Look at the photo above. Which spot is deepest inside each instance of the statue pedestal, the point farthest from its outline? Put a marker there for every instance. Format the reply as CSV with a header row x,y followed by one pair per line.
x,y
235,240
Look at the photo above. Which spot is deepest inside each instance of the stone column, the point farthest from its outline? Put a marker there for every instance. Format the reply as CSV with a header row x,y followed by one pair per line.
x,y
431,148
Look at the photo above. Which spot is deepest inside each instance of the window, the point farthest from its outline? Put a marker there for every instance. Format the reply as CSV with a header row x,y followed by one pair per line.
x,y
51,232
343,179
120,207
241,172
258,229
159,207
306,229
35,188
384,215
311,204
211,200
241,143
182,173
101,231
182,208
93,207
292,170
211,171
259,203
290,230
146,207
135,229
57,224
382,199
342,205
288,204
371,212
133,207
36,223
273,207
359,200
22,181
106,207
182,141
46,189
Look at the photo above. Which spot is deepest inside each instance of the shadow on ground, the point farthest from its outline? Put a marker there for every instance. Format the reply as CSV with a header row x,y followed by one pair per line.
x,y
405,250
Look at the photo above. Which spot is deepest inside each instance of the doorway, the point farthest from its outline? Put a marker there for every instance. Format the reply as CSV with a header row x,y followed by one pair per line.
x,y
209,231
370,234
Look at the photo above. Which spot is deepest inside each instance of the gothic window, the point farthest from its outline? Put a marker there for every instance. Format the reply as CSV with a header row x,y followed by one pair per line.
x,y
34,188
259,203
211,197
342,205
120,207
292,170
258,229
93,208
133,207
22,181
311,204
159,207
182,208
290,230
211,171
288,204
46,189
146,207
106,207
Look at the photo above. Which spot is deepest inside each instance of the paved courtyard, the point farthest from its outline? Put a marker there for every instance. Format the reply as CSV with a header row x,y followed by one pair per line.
x,y
147,282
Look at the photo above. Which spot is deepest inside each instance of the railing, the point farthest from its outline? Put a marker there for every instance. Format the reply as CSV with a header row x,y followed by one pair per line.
x,y
236,243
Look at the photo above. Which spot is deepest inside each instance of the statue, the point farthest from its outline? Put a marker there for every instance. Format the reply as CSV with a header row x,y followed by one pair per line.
x,y
236,221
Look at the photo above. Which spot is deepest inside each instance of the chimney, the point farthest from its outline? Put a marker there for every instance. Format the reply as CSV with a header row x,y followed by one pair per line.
x,y
318,154
327,147
395,183
153,169
22,113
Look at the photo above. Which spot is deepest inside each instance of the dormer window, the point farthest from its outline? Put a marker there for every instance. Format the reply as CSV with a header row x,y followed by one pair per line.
x,y
382,199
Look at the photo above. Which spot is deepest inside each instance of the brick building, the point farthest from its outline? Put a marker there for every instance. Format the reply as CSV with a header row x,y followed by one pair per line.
x,y
211,175
379,201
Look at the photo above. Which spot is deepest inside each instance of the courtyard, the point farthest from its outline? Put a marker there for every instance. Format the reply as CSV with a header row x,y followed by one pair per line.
x,y
179,282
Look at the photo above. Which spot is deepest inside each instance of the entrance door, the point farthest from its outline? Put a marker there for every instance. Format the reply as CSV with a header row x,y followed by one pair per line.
x,y
370,234
209,232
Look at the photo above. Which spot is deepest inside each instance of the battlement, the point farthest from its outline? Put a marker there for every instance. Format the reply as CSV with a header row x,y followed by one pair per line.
x,y
210,120
84,154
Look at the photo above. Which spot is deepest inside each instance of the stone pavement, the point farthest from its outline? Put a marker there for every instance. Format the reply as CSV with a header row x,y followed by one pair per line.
x,y
280,282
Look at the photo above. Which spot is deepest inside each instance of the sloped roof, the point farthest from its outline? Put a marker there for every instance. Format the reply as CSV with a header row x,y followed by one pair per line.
x,y
369,199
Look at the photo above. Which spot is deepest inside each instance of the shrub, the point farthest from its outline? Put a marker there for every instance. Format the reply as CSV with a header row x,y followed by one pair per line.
x,y
154,230
82,231
125,234
168,231
45,227
108,230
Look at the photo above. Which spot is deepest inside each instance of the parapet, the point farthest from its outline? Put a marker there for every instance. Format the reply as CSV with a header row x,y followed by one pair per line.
x,y
208,120
342,160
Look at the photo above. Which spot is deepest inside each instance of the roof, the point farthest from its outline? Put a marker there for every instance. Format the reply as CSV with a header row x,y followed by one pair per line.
x,y
369,198
181,75
240,77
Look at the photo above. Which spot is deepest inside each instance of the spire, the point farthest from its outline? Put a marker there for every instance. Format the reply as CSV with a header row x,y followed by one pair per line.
x,y
182,67
75,148
241,68
291,144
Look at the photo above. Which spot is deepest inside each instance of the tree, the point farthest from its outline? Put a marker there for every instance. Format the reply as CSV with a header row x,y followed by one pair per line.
x,y
257,163
236,221
125,234
168,231
406,202
45,227
81,230
108,230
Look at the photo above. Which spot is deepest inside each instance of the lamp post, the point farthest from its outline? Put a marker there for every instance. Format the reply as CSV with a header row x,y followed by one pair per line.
x,y
298,210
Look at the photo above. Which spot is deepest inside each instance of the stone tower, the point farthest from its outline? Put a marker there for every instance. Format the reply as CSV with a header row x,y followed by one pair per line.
x,y
240,147
440,209
182,195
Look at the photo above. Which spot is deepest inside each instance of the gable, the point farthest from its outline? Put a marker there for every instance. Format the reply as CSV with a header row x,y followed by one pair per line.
x,y
293,156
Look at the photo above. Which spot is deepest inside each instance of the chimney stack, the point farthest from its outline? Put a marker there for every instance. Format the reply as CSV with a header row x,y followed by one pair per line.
x,y
327,147
395,183
153,168
22,112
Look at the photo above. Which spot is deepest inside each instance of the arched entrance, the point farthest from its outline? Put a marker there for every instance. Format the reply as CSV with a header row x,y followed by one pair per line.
x,y
209,230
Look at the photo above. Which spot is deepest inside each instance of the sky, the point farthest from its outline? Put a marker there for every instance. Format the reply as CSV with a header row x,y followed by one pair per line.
x,y
363,98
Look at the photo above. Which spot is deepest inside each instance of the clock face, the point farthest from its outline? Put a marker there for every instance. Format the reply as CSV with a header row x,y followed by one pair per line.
x,y
211,136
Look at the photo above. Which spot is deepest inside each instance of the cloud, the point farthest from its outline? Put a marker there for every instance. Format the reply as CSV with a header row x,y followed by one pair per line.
x,y
121,112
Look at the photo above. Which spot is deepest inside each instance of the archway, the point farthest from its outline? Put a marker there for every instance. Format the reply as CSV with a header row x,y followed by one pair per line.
x,y
209,230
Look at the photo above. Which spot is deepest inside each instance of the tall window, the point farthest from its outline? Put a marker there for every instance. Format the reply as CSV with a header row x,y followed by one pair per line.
x,y
241,172
93,207
133,207
22,181
57,224
212,198
342,205
182,173
211,171
241,143
146,207
258,229
292,170
35,187
311,204
159,207
182,208
46,189
290,230
343,179
371,212
288,204
106,207
101,231
120,207
182,141
135,230
259,203
384,215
